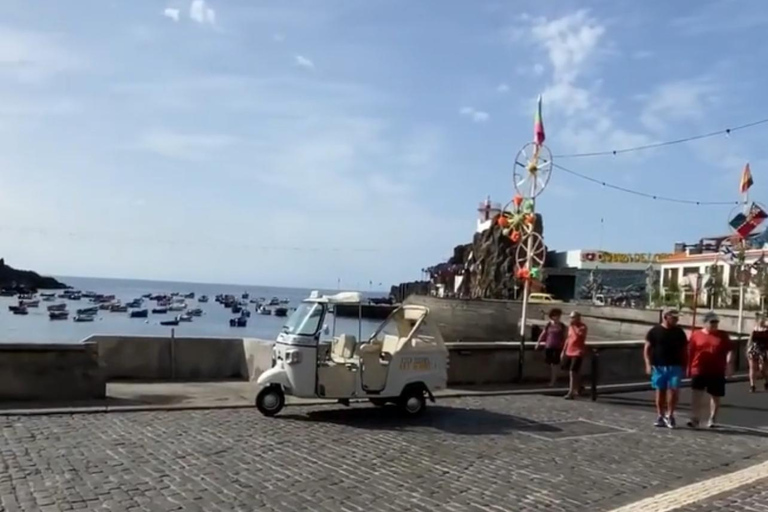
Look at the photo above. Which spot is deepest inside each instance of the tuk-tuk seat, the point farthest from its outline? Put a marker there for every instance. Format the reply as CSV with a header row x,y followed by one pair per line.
x,y
343,349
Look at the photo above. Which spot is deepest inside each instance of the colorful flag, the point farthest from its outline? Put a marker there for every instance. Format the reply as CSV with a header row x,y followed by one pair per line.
x,y
746,179
726,251
538,125
754,217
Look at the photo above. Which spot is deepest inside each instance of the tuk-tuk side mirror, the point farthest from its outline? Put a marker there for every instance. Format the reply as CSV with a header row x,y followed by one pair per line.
x,y
326,330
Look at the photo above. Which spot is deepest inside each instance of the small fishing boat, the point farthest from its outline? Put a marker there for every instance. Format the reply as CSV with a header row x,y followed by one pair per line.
x,y
49,299
135,304
281,311
118,308
140,313
30,303
105,307
240,321
7,292
58,315
46,295
274,301
245,313
195,312
146,296
90,295
84,318
175,321
186,317
245,295
177,306
159,311
88,311
264,311
190,295
57,307
285,301
203,298
18,310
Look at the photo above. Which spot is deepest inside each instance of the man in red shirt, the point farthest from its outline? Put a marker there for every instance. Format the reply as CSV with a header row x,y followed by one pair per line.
x,y
574,350
709,362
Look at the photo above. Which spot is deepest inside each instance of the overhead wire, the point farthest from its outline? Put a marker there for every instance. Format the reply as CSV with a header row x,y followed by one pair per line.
x,y
644,147
639,193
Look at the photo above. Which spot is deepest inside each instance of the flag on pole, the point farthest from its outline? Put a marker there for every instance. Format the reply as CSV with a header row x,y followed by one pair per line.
x,y
538,125
726,251
746,179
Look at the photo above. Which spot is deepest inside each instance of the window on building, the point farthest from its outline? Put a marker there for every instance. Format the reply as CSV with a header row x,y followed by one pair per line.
x,y
690,270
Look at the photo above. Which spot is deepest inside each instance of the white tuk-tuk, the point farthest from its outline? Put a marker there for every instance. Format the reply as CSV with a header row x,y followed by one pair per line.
x,y
404,361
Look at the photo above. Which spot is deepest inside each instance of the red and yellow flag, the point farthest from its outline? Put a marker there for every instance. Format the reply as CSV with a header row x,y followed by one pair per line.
x,y
746,179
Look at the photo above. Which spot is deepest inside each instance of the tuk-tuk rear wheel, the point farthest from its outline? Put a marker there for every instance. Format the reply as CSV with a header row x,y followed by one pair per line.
x,y
270,400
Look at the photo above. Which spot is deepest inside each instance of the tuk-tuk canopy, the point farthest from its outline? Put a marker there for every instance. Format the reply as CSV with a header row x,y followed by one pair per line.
x,y
339,298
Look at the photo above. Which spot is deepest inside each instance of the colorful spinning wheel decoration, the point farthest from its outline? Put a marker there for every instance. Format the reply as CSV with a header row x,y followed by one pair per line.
x,y
530,258
533,168
517,219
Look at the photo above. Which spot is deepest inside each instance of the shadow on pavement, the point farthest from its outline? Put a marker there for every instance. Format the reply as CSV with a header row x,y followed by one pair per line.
x,y
470,422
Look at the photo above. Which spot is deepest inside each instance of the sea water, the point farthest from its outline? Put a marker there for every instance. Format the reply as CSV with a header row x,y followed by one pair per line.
x,y
36,327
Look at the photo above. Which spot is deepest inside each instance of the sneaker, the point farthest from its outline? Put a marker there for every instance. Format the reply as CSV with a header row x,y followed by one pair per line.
x,y
711,424
660,422
670,422
693,423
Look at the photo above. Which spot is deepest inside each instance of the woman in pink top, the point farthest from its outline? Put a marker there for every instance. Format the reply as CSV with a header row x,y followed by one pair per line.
x,y
573,353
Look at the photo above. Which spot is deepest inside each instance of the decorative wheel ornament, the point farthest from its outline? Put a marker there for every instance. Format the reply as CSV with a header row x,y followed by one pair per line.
x,y
530,262
517,219
533,168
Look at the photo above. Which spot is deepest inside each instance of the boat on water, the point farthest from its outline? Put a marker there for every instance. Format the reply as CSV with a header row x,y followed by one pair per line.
x,y
88,311
186,317
236,308
146,296
90,295
57,307
285,301
245,296
118,308
18,310
177,307
203,298
49,299
281,311
135,304
105,306
7,292
190,295
84,318
58,315
140,313
246,313
239,321
159,311
274,301
195,312
264,311
30,303
47,294
175,321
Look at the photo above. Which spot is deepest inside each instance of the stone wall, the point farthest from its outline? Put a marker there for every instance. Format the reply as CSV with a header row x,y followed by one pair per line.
x,y
50,372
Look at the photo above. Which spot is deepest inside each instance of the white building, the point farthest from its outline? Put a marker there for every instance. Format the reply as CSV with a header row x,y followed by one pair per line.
x,y
593,259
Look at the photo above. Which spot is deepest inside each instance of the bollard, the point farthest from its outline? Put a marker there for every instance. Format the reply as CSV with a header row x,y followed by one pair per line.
x,y
173,354
595,372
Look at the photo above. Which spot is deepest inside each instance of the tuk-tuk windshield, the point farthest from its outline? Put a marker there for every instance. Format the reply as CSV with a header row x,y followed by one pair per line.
x,y
305,321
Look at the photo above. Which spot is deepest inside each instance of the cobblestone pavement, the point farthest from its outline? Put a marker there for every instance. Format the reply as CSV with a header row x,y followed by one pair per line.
x,y
750,498
472,454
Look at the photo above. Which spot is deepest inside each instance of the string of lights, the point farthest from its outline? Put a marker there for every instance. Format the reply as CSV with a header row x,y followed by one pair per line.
x,y
639,193
614,152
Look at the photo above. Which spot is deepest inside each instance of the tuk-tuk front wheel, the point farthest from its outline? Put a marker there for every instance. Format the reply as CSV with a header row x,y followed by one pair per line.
x,y
412,401
270,400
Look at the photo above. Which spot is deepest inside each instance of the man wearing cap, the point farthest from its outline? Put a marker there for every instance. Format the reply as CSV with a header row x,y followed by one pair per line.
x,y
709,362
665,354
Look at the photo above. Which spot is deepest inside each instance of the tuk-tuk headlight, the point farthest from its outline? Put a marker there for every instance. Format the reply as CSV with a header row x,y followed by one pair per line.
x,y
293,357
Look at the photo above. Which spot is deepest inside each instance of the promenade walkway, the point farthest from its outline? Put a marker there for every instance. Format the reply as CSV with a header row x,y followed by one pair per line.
x,y
502,453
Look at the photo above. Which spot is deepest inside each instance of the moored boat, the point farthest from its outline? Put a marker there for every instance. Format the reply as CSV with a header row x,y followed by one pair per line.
x,y
84,318
203,298
58,315
88,311
30,303
18,310
195,312
57,307
140,313
240,321
281,311
186,317
159,311
118,308
175,321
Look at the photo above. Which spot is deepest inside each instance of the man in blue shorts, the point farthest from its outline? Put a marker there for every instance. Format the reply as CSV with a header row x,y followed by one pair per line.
x,y
665,355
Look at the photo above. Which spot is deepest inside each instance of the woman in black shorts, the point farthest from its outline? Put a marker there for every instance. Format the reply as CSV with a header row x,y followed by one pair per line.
x,y
553,338
757,353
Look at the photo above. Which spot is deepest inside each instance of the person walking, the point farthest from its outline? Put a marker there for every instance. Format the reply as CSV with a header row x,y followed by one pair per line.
x,y
665,353
710,353
757,352
552,338
573,353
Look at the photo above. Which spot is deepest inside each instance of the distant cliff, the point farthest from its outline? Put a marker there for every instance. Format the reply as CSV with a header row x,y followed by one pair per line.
x,y
25,280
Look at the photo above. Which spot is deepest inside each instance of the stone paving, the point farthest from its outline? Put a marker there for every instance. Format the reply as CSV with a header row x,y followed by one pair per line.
x,y
750,498
521,453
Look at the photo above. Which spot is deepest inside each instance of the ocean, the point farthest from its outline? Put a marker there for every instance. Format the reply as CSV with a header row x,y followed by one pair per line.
x,y
36,327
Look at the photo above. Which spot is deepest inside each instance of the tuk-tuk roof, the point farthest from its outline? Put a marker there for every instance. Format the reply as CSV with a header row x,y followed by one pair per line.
x,y
339,298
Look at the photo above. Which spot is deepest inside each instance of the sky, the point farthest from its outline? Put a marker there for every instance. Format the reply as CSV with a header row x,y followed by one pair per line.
x,y
318,142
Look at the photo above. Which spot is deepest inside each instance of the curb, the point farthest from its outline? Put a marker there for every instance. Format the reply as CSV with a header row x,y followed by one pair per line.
x,y
607,389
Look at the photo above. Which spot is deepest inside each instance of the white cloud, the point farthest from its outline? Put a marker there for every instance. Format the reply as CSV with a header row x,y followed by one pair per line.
x,y
502,88
478,116
304,62
680,100
184,146
172,13
201,13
